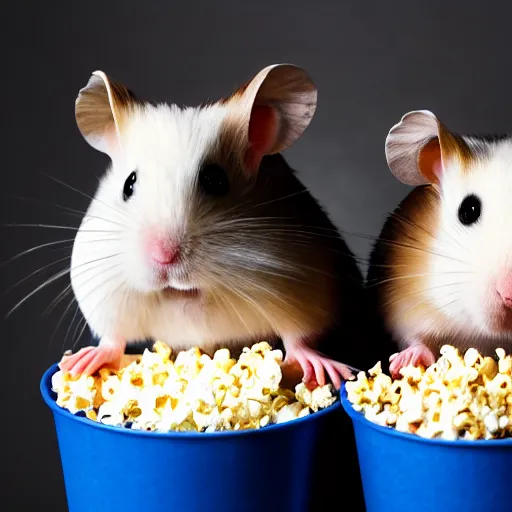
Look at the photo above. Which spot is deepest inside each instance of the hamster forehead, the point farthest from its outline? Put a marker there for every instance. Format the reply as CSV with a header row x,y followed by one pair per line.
x,y
489,177
166,146
170,139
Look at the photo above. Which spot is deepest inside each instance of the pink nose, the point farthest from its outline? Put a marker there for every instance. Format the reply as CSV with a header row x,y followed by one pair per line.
x,y
163,251
505,289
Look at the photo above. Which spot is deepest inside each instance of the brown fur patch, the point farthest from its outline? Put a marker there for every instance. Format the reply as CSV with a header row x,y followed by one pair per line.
x,y
233,139
450,146
299,297
401,257
454,146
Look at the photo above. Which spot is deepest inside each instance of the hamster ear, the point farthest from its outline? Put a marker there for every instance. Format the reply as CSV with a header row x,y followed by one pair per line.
x,y
272,111
100,109
419,147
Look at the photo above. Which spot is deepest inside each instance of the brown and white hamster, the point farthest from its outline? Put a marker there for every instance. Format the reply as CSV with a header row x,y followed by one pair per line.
x,y
200,233
441,271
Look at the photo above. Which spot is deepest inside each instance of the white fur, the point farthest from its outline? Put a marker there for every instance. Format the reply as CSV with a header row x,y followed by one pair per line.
x,y
110,271
463,274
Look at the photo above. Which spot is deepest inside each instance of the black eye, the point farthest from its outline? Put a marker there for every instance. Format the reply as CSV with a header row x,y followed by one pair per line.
x,y
470,210
213,180
129,185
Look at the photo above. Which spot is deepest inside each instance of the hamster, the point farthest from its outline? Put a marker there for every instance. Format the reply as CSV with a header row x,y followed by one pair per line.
x,y
441,271
200,234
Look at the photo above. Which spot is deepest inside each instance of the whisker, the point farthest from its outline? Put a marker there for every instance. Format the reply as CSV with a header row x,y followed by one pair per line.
x,y
421,291
67,209
284,229
62,318
236,290
407,246
81,334
39,270
95,260
306,243
103,282
291,232
427,300
413,276
55,301
100,302
279,199
224,299
272,230
261,270
77,339
252,221
249,282
266,221
445,306
77,309
51,226
83,193
403,219
36,248
54,278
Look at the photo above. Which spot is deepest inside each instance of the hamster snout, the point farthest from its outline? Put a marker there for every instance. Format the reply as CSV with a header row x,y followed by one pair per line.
x,y
162,250
504,288
496,304
164,255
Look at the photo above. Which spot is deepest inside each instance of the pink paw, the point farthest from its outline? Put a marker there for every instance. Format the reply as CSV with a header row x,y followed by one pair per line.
x,y
89,360
417,354
314,365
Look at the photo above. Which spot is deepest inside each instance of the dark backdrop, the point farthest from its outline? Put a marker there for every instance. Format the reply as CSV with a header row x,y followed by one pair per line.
x,y
371,63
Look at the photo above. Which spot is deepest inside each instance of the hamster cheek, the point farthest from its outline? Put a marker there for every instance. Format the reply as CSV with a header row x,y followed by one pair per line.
x,y
137,271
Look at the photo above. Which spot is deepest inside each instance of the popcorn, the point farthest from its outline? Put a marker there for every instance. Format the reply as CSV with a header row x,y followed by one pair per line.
x,y
319,398
78,394
191,392
458,397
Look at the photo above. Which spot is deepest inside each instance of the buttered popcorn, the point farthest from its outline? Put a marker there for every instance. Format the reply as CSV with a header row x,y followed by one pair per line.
x,y
193,392
459,397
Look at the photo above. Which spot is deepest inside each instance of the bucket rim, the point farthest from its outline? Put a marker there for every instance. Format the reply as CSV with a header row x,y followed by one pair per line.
x,y
45,390
358,417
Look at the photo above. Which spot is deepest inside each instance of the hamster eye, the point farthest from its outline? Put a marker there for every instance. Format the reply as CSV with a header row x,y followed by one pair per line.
x,y
129,185
470,210
213,180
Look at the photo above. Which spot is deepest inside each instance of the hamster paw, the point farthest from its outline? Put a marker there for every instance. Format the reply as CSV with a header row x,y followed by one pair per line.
x,y
89,360
417,354
314,365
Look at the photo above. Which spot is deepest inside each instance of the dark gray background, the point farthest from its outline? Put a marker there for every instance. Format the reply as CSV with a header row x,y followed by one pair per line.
x,y
371,63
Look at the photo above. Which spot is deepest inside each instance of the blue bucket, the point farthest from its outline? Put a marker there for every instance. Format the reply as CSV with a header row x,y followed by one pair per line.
x,y
402,472
123,470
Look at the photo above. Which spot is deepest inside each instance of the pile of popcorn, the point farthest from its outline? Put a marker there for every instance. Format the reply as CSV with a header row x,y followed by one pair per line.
x,y
191,392
459,397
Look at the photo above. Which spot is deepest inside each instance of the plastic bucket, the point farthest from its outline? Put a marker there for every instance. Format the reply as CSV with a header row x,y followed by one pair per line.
x,y
402,472
121,470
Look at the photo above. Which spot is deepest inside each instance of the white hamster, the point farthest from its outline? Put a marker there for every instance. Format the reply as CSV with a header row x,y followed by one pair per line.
x,y
200,233
442,268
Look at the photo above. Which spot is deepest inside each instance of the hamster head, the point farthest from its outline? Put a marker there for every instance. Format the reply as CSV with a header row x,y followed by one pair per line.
x,y
468,266
165,215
